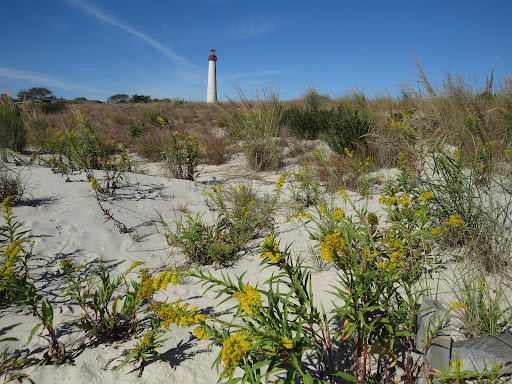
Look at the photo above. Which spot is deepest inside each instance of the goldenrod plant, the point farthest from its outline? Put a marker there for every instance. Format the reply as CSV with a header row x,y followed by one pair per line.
x,y
183,155
108,314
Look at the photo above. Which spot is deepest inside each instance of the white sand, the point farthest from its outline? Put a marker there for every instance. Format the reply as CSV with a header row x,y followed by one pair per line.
x,y
65,221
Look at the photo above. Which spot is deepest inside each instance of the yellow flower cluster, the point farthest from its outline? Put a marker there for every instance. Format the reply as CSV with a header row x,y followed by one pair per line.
x,y
250,299
272,248
426,196
281,180
332,246
436,231
396,261
458,304
201,333
150,284
234,349
174,313
455,221
302,215
393,200
147,342
338,214
287,343
317,154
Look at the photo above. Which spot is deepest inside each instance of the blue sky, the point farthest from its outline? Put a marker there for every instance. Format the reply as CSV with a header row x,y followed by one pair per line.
x,y
95,49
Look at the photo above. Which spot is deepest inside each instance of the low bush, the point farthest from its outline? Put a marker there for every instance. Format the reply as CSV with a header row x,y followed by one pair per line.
x,y
240,215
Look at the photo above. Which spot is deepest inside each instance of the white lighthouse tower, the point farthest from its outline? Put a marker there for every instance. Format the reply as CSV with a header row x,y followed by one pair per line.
x,y
211,96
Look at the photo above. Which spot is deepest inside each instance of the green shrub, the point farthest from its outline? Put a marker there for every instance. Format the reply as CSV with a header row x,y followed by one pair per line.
x,y
278,329
13,133
53,107
348,127
307,124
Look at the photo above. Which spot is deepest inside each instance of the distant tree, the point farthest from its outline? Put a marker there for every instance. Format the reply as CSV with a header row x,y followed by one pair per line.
x,y
80,98
118,98
140,99
36,93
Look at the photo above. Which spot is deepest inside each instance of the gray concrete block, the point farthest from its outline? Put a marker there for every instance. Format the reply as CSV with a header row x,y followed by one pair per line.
x,y
433,337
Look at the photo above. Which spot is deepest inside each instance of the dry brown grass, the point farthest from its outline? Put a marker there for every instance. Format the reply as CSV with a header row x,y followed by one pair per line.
x,y
454,112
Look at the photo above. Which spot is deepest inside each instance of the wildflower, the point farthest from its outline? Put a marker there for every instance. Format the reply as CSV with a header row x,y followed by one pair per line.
x,y
458,304
201,333
176,314
332,245
405,199
317,154
455,221
67,263
436,231
280,181
287,342
135,264
338,214
234,349
457,364
427,195
383,199
250,300
349,153
164,279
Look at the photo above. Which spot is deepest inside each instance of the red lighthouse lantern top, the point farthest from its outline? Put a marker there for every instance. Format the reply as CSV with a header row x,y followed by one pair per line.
x,y
212,56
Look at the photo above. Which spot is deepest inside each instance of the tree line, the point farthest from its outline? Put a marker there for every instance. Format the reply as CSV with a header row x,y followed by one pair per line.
x,y
44,94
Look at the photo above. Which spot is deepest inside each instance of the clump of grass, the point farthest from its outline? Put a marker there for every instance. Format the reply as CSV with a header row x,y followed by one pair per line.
x,y
482,305
239,216
481,202
13,132
11,183
215,148
257,122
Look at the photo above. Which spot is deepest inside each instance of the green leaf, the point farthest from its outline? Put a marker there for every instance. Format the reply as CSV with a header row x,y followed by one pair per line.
x,y
126,360
34,330
47,312
344,375
114,306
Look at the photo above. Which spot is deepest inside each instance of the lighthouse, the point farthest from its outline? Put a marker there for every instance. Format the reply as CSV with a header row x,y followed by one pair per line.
x,y
211,95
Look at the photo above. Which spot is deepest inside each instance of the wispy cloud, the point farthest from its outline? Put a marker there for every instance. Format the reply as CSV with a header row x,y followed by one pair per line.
x,y
152,42
45,80
251,29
